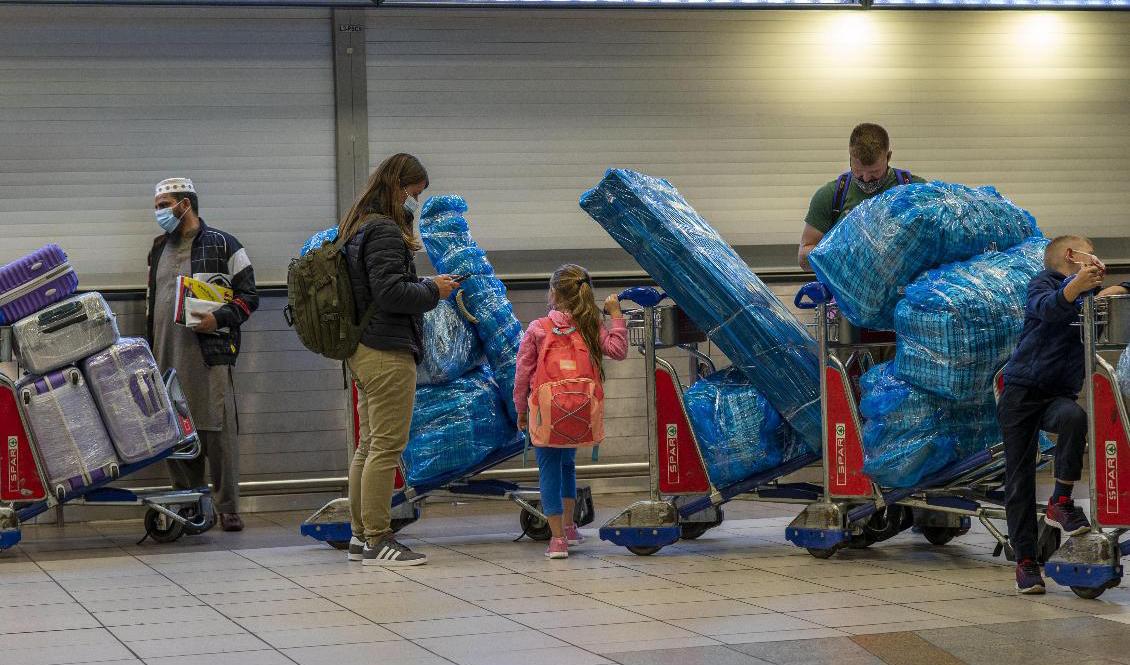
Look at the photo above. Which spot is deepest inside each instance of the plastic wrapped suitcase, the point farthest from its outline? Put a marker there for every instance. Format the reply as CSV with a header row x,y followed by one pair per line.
x,y
126,384
35,281
65,332
73,444
20,479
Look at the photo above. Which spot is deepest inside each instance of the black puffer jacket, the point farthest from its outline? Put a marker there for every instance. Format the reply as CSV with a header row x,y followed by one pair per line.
x,y
383,271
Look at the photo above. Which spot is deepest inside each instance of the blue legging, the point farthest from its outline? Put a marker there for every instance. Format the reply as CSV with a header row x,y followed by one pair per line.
x,y
558,471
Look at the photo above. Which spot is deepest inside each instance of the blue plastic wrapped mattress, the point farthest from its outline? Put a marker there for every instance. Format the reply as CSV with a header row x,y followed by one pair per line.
x,y
455,426
738,430
888,240
453,251
958,324
684,255
451,347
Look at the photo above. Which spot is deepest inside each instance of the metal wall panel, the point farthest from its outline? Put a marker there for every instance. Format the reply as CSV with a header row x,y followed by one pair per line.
x,y
749,112
97,104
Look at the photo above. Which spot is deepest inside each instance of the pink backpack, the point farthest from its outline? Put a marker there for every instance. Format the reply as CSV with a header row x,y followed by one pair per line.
x,y
566,396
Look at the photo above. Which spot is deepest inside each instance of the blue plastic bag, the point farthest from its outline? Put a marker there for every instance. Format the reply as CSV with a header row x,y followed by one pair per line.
x,y
451,347
738,430
958,324
907,434
453,251
684,255
455,426
318,239
1123,373
888,240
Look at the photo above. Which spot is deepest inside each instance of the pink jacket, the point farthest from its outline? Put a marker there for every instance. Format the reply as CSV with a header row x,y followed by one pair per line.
x,y
613,343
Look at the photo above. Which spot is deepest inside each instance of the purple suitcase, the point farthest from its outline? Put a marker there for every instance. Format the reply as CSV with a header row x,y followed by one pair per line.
x,y
126,384
73,445
35,281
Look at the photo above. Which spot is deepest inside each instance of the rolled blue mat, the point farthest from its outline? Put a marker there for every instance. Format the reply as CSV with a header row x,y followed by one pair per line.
x,y
738,430
451,346
705,276
453,251
888,240
958,324
455,426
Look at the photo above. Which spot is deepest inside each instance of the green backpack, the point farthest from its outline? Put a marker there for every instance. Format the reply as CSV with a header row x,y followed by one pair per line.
x,y
320,304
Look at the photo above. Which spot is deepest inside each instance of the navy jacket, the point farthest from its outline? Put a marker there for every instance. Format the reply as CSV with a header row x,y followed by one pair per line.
x,y
1049,355
213,251
382,270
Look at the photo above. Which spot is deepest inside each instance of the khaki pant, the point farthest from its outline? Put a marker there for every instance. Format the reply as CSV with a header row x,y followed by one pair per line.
x,y
386,389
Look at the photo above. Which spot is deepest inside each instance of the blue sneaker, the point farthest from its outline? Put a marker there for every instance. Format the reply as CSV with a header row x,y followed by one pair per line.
x,y
1029,581
1067,517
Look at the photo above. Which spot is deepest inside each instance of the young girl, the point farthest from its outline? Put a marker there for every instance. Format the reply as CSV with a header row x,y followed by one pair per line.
x,y
559,394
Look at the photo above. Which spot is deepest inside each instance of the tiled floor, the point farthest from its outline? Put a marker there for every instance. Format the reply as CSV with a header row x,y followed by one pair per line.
x,y
740,595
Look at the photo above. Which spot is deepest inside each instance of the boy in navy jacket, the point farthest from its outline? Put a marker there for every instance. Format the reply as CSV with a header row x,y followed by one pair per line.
x,y
1042,381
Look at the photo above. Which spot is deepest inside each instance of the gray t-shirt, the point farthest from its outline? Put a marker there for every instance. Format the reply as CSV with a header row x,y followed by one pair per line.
x,y
176,346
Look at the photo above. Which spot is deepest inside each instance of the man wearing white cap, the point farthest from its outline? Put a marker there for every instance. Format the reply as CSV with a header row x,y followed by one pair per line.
x,y
202,355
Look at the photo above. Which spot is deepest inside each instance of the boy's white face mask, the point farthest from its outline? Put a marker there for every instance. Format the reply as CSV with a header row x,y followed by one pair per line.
x,y
1083,259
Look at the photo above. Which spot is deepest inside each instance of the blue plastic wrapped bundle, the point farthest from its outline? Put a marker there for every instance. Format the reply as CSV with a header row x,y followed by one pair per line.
x,y
958,324
455,427
319,239
886,241
453,251
684,255
451,347
906,436
1123,373
738,430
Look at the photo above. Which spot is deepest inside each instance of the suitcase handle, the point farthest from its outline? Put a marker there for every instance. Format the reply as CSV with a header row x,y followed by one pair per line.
x,y
62,316
150,396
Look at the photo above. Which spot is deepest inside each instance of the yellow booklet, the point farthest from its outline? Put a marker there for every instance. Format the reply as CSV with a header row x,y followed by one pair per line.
x,y
196,298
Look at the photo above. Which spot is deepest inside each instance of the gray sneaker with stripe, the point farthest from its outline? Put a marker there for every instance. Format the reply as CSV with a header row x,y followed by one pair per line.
x,y
388,552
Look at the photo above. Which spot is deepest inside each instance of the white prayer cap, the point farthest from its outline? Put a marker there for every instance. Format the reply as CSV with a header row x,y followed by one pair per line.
x,y
175,186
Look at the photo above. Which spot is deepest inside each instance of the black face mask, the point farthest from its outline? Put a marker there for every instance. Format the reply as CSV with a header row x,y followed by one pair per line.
x,y
870,188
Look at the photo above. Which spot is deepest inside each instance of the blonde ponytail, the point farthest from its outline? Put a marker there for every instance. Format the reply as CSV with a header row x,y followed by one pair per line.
x,y
572,289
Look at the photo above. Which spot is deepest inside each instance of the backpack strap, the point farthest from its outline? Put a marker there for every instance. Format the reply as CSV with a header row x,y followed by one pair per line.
x,y
840,194
902,176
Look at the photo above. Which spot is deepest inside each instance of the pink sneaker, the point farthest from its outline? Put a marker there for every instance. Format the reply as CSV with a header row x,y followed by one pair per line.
x,y
558,549
573,536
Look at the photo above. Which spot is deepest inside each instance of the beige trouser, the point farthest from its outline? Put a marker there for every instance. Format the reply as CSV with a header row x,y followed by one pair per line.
x,y
386,391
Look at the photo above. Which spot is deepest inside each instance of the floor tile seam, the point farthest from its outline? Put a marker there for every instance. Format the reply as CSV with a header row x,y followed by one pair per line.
x,y
103,625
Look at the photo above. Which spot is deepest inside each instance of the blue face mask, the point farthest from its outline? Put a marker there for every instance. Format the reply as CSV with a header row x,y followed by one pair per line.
x,y
166,219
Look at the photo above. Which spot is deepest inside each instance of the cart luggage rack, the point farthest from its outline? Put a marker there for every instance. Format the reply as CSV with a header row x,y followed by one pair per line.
x,y
672,327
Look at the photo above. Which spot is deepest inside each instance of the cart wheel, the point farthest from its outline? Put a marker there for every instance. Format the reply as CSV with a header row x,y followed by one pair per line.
x,y
643,550
534,526
940,535
338,544
190,512
398,524
860,542
171,532
694,530
821,553
1088,593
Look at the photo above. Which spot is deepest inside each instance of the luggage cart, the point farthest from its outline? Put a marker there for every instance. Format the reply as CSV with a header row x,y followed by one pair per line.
x,y
1091,563
331,522
854,512
24,488
682,502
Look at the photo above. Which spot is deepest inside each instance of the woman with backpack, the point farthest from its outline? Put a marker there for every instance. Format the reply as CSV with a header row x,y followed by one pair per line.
x,y
559,392
380,246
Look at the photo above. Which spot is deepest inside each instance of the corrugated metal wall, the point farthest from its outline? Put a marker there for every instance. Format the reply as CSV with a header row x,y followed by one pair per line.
x,y
97,104
748,112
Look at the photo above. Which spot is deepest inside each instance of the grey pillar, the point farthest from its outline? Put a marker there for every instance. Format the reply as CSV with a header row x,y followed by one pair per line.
x,y
351,105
